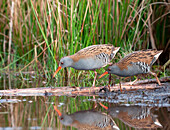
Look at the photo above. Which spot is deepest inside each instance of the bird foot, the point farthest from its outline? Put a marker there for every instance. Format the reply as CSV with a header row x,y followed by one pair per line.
x,y
133,82
105,89
75,88
93,86
110,64
92,89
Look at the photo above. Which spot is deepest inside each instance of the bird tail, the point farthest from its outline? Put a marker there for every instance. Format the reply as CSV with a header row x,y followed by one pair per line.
x,y
156,57
115,50
157,123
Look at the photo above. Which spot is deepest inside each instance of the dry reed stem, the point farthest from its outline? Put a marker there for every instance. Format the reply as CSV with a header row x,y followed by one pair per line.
x,y
4,46
113,17
10,31
34,59
126,23
71,24
167,45
160,17
59,16
117,19
91,21
48,19
137,26
27,25
150,31
35,51
85,16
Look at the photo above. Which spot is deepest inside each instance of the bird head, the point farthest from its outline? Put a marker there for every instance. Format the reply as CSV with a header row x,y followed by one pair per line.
x,y
64,62
110,70
65,119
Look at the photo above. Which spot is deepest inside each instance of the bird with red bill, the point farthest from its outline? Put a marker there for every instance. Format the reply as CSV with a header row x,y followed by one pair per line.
x,y
87,120
138,62
89,58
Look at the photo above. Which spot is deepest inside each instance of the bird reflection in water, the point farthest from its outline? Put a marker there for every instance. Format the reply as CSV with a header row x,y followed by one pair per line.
x,y
88,119
135,116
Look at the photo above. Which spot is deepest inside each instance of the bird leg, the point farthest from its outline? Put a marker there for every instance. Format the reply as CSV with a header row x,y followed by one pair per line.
x,y
154,74
110,64
120,84
110,78
94,78
95,102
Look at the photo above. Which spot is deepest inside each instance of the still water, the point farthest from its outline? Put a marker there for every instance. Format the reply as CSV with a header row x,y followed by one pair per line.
x,y
141,109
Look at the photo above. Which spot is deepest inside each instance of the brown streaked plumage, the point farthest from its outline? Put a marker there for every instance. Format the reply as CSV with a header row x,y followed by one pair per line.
x,y
89,58
135,116
92,51
88,120
142,56
138,62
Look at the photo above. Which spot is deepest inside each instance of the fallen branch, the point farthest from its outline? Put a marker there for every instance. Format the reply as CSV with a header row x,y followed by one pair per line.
x,y
146,81
75,91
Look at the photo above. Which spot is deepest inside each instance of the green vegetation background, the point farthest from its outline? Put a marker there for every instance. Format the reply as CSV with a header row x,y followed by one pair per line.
x,y
35,34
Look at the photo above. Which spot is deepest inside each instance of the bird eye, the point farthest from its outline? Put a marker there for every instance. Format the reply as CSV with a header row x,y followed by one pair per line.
x,y
61,118
62,63
109,69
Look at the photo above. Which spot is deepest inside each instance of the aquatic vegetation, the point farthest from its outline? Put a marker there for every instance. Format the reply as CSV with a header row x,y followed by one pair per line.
x,y
39,33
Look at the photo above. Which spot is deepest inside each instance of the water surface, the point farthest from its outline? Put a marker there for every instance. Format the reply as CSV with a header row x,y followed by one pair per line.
x,y
128,110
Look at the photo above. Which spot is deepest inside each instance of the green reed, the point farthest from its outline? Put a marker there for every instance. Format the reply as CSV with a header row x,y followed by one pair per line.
x,y
44,31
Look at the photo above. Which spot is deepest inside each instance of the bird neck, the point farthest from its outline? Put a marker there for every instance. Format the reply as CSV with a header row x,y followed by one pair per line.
x,y
69,61
115,70
66,120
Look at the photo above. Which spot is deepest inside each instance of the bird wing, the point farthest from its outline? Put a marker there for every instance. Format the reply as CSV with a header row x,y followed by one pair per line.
x,y
93,51
145,56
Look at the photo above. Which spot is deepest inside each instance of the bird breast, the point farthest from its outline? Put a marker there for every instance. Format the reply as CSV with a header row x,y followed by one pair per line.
x,y
91,63
132,69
